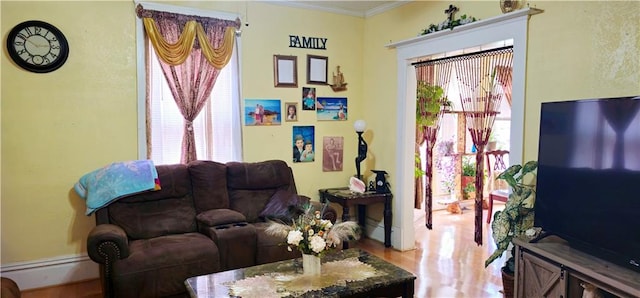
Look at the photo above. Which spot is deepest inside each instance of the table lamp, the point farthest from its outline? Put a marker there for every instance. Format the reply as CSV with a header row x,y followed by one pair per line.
x,y
360,126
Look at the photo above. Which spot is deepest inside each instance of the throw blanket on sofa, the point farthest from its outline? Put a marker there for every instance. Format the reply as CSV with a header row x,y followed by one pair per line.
x,y
105,185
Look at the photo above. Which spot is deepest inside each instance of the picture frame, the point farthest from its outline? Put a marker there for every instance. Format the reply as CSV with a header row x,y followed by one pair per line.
x,y
291,117
317,69
332,109
308,98
262,112
285,71
332,153
303,141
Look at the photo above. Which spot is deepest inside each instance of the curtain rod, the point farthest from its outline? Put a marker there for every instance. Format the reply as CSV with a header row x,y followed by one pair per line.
x,y
462,55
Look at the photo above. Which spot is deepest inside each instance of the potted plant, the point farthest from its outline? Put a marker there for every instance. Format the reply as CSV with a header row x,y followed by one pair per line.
x,y
468,175
515,219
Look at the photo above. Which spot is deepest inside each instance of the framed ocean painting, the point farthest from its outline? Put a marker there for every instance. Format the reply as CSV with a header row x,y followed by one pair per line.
x,y
262,112
331,108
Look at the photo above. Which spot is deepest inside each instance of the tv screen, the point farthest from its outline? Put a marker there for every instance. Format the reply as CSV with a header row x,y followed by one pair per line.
x,y
588,184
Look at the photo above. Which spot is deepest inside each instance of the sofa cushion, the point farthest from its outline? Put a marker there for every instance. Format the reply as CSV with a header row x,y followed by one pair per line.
x,y
283,205
158,213
217,217
271,248
158,267
209,181
250,202
269,174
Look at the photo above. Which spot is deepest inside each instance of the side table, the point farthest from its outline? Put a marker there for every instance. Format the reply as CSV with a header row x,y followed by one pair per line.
x,y
346,199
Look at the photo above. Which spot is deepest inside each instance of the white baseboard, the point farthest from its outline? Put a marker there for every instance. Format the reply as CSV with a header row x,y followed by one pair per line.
x,y
49,272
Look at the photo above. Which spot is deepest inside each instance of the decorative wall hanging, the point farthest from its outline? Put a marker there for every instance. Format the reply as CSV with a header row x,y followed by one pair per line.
x,y
332,154
291,111
309,98
317,69
338,81
450,23
285,71
316,43
331,108
303,143
259,112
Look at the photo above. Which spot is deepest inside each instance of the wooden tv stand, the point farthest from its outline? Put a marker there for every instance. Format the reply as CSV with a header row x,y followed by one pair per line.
x,y
550,268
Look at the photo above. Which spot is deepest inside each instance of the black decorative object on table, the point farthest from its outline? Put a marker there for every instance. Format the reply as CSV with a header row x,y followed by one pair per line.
x,y
382,186
360,126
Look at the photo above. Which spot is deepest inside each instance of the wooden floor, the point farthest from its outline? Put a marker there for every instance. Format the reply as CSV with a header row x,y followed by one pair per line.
x,y
446,261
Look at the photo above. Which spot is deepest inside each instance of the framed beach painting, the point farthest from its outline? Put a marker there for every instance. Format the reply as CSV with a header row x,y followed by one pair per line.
x,y
262,112
331,108
303,143
332,154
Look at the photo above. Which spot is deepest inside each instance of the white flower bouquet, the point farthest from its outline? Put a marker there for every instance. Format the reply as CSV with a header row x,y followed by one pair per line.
x,y
313,235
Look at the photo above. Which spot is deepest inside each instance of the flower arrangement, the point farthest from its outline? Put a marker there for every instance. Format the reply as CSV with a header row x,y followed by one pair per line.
x,y
311,234
448,24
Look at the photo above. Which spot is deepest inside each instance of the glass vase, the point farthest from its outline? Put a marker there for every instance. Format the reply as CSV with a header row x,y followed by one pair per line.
x,y
311,264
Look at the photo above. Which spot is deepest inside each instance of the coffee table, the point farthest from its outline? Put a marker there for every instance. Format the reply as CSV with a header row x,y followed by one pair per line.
x,y
388,280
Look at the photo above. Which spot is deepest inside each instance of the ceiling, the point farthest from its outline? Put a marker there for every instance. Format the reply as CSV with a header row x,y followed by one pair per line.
x,y
358,8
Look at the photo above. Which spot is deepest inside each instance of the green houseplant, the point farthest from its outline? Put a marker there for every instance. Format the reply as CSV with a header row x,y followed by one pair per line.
x,y
517,216
429,100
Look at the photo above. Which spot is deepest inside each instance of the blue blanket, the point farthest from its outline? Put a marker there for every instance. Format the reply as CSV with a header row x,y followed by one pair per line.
x,y
103,186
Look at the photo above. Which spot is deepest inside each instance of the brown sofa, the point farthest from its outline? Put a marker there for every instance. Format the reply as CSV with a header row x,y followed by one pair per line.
x,y
208,217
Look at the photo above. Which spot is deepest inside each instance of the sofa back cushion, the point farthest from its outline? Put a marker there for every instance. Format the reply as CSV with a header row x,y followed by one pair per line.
x,y
157,213
251,185
209,182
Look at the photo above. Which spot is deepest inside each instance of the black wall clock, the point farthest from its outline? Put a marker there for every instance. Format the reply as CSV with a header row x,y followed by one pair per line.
x,y
37,46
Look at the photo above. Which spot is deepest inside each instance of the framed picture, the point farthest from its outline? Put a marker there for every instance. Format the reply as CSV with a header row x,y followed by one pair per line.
x,y
291,111
259,112
332,154
331,108
303,143
309,98
285,71
317,69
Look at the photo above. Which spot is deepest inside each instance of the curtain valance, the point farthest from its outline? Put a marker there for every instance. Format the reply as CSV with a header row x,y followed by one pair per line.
x,y
194,28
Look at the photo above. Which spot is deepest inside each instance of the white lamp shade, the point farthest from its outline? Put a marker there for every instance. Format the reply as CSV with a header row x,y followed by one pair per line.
x,y
360,125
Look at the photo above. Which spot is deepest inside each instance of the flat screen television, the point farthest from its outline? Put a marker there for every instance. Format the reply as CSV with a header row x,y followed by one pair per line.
x,y
588,180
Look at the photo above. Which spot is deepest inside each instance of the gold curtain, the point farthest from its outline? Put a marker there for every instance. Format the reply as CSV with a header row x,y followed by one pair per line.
x,y
177,53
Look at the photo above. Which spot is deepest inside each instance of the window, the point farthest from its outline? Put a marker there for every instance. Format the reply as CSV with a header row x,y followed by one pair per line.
x,y
217,127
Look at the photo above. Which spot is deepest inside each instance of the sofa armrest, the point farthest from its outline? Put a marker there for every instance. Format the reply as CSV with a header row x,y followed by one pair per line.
x,y
107,242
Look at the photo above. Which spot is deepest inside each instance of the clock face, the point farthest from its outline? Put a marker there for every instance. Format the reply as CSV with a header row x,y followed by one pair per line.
x,y
37,46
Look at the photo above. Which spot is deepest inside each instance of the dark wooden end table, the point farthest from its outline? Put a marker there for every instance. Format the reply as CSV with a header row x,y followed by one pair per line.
x,y
346,198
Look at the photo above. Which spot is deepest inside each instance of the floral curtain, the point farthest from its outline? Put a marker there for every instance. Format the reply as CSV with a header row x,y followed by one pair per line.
x,y
191,51
436,73
476,75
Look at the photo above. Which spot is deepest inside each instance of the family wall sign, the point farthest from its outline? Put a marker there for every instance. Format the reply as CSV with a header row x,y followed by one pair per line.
x,y
303,42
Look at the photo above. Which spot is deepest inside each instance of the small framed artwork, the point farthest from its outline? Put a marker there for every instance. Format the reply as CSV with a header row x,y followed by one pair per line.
x,y
317,69
332,154
331,108
259,112
291,109
285,71
309,98
303,143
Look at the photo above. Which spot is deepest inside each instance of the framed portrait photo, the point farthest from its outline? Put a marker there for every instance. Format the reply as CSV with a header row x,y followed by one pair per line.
x,y
285,71
303,138
317,69
291,111
309,98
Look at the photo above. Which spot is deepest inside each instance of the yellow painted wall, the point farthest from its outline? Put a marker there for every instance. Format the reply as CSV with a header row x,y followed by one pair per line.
x,y
56,127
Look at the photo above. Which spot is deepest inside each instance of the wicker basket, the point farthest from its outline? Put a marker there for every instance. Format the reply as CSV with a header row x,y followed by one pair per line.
x,y
507,283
